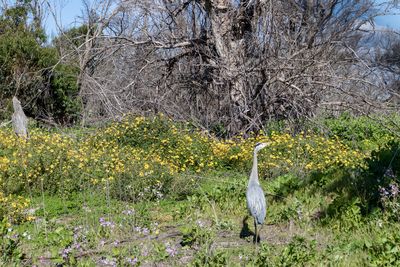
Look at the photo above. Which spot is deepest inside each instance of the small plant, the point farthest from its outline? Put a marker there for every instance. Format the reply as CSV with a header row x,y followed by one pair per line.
x,y
160,251
10,242
383,168
195,236
14,208
106,226
292,211
283,185
384,251
390,199
208,257
346,214
298,252
265,256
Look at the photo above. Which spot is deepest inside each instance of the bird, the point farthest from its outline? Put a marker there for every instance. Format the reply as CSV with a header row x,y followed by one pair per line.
x,y
256,203
19,120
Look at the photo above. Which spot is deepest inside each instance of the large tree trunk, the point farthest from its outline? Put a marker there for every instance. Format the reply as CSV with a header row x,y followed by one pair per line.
x,y
230,27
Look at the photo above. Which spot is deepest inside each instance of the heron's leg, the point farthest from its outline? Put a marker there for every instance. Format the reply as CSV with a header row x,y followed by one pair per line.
x,y
255,231
259,231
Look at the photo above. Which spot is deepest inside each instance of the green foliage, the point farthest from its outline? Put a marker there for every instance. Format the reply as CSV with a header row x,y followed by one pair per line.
x,y
298,252
265,256
159,251
219,130
383,168
290,211
385,250
360,131
66,104
283,185
208,257
348,213
16,18
228,195
57,239
196,235
275,126
10,243
29,67
73,37
132,187
385,158
56,207
182,186
390,200
19,53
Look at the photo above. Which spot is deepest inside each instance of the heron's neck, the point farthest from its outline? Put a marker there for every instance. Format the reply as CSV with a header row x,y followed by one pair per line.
x,y
254,170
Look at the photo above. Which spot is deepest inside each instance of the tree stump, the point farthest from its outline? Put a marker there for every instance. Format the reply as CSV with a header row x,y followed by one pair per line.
x,y
19,120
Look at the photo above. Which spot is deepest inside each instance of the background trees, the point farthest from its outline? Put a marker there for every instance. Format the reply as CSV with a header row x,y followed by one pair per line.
x,y
228,66
30,69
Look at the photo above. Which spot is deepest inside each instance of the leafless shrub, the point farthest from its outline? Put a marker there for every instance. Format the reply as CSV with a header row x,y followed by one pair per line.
x,y
229,64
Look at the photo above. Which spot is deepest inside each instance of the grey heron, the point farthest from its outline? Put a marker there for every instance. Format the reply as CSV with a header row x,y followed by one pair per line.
x,y
255,196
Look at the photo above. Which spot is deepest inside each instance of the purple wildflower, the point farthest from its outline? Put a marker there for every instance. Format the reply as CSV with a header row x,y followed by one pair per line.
x,y
128,212
394,190
200,223
77,246
383,192
131,261
65,252
109,262
145,231
172,251
145,252
15,236
105,223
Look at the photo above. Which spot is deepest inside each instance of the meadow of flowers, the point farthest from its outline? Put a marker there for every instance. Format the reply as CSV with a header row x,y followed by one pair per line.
x,y
139,157
107,179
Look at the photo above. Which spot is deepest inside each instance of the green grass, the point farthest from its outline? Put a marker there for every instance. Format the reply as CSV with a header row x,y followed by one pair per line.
x,y
204,229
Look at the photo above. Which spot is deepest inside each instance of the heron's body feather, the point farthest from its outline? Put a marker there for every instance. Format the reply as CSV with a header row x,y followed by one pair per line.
x,y
256,202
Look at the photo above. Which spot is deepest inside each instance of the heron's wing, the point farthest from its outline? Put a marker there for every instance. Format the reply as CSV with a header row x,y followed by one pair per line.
x,y
256,203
